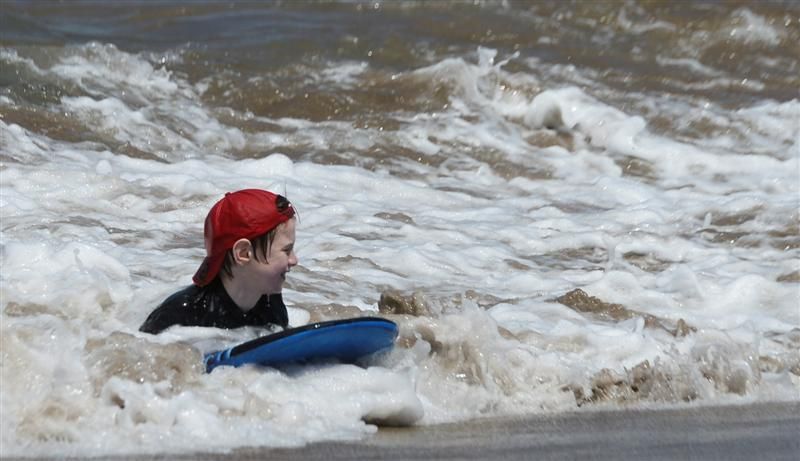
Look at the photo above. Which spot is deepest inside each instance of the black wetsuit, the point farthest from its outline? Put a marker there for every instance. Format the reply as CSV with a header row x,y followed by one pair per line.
x,y
211,306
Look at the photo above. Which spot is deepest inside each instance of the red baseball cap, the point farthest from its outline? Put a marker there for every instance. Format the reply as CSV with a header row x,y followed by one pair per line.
x,y
247,213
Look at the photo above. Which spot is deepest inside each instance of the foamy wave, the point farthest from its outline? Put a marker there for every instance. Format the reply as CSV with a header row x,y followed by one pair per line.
x,y
752,28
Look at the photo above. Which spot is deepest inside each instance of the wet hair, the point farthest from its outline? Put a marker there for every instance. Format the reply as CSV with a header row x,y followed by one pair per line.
x,y
261,246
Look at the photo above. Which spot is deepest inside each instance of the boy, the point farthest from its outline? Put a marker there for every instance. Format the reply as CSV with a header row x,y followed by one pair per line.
x,y
249,240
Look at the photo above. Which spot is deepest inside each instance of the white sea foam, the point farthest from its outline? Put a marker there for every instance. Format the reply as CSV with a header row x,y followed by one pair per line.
x,y
92,240
751,27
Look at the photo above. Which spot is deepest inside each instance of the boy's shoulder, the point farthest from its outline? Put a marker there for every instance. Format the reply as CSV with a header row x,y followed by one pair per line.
x,y
178,308
184,297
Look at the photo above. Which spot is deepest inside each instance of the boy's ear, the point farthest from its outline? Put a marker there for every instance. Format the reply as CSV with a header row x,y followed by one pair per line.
x,y
242,251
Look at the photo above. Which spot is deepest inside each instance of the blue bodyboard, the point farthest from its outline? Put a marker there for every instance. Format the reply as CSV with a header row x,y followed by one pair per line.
x,y
338,340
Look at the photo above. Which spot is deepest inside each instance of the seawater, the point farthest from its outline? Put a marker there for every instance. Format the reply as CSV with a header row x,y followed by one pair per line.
x,y
565,206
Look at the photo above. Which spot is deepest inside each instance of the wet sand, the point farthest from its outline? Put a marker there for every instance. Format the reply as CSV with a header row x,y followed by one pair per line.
x,y
764,431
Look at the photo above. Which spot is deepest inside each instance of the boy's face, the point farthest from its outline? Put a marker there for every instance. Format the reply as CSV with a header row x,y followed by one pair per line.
x,y
281,258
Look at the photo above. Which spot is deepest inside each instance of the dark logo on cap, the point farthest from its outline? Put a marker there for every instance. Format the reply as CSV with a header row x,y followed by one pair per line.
x,y
283,206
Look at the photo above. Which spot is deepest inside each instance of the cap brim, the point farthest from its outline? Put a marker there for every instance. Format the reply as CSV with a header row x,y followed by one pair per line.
x,y
208,270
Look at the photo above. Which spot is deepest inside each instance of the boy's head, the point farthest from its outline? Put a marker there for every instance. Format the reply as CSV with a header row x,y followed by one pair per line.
x,y
251,214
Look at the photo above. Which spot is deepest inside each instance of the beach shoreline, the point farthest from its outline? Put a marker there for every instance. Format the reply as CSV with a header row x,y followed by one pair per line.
x,y
766,430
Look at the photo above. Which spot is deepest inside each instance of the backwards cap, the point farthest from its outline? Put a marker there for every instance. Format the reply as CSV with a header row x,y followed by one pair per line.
x,y
247,214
